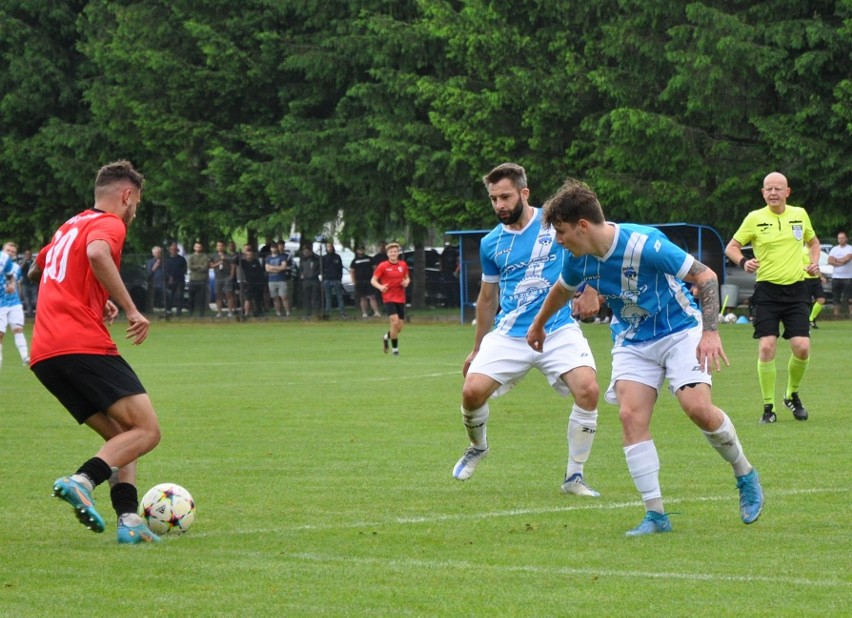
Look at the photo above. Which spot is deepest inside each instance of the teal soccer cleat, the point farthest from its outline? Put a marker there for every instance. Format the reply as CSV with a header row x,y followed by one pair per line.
x,y
652,523
751,496
132,531
80,498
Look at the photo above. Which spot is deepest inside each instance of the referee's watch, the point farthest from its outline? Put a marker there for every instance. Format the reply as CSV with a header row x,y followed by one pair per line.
x,y
743,260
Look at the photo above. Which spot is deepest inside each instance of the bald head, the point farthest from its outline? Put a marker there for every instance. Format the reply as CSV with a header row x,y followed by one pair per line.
x,y
775,191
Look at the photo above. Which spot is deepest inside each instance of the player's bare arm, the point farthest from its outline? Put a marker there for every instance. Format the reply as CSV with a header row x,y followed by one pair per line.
x,y
486,308
708,292
557,297
34,273
104,269
710,353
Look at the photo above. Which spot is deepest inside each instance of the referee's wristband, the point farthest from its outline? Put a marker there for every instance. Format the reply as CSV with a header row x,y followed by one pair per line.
x,y
743,260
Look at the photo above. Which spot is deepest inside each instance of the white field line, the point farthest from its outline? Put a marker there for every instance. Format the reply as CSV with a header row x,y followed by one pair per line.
x,y
470,567
588,505
436,565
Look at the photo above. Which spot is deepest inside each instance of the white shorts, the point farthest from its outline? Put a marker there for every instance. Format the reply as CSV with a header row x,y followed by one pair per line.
x,y
508,359
11,316
673,357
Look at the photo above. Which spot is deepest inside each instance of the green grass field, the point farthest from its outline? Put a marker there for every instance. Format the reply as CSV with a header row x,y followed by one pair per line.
x,y
321,471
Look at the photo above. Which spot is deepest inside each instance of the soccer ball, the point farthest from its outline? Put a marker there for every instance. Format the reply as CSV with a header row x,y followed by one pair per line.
x,y
167,508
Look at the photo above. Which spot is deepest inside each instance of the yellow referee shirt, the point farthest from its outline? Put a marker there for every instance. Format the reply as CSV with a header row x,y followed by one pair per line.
x,y
777,242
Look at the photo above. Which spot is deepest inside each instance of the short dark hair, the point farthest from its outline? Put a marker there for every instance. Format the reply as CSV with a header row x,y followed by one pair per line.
x,y
116,172
512,171
573,201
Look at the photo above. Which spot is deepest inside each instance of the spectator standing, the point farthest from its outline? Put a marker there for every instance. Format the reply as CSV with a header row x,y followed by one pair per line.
x,y
776,232
332,280
253,283
309,273
199,279
223,280
232,296
154,268
29,288
276,267
381,254
361,271
840,257
174,271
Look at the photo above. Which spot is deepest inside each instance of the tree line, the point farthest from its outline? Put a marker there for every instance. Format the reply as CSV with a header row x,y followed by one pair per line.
x,y
384,114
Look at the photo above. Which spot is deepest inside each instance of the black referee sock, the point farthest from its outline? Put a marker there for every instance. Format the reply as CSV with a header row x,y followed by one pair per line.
x,y
124,498
97,470
395,344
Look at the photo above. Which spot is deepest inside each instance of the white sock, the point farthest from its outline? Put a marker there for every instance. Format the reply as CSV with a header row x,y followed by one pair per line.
x,y
727,444
84,480
474,423
21,343
130,519
582,425
643,462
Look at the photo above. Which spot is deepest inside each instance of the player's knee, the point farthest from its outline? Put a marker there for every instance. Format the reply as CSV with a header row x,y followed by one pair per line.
x,y
473,397
629,417
587,394
801,347
152,436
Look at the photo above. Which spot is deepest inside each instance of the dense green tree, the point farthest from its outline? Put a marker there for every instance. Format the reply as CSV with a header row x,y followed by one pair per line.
x,y
42,178
381,116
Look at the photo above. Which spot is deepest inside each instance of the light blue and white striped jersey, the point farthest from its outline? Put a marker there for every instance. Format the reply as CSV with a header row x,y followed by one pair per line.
x,y
6,263
525,264
10,299
641,278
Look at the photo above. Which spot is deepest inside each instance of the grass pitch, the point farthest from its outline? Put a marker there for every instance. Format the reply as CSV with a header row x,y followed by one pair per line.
x,y
321,470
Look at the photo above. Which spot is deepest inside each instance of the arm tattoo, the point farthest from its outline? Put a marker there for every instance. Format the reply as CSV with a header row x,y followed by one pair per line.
x,y
708,292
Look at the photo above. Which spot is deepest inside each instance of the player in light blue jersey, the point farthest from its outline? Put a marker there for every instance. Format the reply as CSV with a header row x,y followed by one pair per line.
x,y
658,334
11,309
520,262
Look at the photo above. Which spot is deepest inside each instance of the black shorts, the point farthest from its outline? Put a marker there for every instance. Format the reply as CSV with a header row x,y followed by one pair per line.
x,y
776,304
395,309
364,289
814,288
87,383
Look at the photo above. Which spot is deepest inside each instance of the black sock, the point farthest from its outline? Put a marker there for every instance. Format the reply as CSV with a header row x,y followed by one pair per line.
x,y
97,470
124,498
395,343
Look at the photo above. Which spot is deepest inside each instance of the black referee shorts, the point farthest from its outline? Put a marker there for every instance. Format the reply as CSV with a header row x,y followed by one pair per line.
x,y
87,383
781,304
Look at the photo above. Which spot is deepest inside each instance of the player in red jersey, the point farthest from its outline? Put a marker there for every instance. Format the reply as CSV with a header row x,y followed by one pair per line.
x,y
75,358
391,278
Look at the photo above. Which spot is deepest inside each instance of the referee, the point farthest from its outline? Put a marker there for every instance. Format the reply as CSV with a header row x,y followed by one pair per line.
x,y
776,233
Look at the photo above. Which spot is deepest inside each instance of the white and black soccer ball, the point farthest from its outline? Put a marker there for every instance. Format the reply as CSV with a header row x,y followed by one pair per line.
x,y
167,508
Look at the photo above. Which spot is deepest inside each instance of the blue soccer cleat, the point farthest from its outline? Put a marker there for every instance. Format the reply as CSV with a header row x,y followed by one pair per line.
x,y
652,523
80,498
751,496
132,531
